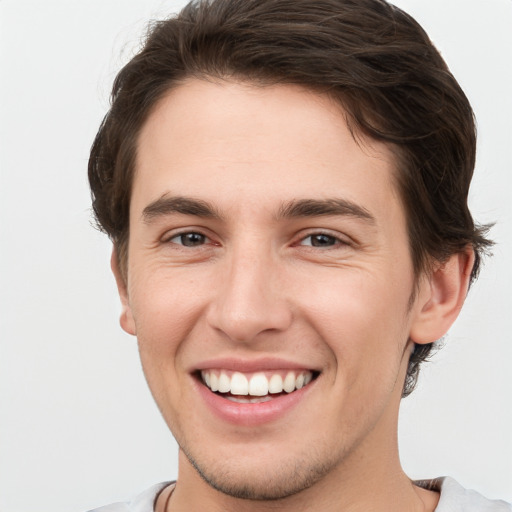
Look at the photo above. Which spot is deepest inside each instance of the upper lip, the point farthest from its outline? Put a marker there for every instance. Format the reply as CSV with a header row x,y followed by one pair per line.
x,y
251,365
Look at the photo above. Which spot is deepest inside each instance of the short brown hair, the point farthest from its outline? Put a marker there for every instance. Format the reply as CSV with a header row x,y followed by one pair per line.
x,y
368,55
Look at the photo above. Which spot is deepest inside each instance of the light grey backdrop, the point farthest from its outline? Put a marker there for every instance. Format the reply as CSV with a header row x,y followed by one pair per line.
x,y
77,425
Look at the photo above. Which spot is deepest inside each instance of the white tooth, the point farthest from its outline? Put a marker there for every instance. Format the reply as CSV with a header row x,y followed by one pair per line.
x,y
308,378
260,399
258,385
289,382
253,400
275,384
206,377
239,384
214,382
300,381
238,400
224,383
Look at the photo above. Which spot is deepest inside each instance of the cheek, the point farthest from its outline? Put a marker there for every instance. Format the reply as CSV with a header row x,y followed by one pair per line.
x,y
160,294
166,308
363,318
163,315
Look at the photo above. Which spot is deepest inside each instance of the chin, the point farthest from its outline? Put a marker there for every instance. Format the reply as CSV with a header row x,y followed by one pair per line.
x,y
266,480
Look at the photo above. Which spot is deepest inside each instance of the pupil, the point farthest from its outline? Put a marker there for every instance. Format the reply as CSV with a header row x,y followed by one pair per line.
x,y
192,239
322,240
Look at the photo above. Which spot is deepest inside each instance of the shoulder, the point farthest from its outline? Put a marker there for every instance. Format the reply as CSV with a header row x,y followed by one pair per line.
x,y
454,498
144,502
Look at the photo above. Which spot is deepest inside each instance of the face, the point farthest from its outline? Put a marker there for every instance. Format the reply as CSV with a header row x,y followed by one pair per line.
x,y
269,280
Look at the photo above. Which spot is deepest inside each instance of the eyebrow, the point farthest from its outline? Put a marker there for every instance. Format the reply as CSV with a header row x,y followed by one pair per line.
x,y
167,205
324,207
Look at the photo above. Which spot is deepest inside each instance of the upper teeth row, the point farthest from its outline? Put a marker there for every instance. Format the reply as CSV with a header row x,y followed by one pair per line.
x,y
257,385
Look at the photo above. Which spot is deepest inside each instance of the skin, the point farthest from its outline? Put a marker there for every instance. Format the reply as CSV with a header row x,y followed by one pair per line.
x,y
257,284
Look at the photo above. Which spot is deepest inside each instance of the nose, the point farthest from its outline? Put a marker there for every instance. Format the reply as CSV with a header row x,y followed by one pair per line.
x,y
250,299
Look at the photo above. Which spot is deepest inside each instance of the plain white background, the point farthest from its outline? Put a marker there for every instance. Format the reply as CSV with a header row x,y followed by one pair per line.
x,y
78,427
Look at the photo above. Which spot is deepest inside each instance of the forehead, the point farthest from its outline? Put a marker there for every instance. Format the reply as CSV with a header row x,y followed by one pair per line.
x,y
223,140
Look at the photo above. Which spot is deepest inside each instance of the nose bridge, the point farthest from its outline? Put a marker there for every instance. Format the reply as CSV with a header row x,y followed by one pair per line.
x,y
250,299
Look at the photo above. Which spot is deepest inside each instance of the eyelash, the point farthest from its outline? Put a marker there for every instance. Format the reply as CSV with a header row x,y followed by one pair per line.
x,y
183,234
335,241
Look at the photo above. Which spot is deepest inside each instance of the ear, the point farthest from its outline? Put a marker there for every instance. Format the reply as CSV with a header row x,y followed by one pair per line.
x,y
126,319
441,297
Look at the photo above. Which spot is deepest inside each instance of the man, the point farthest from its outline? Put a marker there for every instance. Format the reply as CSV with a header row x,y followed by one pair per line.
x,y
285,184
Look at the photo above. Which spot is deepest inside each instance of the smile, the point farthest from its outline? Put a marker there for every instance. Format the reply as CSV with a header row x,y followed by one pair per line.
x,y
255,387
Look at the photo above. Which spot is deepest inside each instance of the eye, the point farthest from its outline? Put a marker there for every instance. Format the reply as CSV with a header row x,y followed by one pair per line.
x,y
321,240
190,239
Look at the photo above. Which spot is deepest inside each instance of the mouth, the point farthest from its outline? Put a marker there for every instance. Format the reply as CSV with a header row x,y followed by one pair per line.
x,y
257,387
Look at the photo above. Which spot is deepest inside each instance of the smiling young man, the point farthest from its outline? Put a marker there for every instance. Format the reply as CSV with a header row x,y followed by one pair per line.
x,y
285,183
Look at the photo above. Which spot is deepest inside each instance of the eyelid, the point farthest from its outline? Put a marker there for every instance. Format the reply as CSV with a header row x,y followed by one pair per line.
x,y
204,239
341,239
174,233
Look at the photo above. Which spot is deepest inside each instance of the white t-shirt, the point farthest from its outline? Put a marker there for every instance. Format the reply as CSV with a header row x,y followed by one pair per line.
x,y
454,498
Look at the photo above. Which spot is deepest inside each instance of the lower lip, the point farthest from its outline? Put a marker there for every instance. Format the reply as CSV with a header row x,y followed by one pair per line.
x,y
248,414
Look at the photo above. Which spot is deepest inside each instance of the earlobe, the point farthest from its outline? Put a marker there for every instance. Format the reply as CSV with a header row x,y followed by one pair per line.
x,y
126,319
441,297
